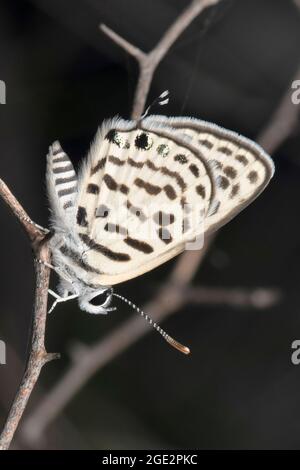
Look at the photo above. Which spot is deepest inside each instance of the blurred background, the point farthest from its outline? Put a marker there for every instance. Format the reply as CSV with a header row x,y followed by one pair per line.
x,y
238,389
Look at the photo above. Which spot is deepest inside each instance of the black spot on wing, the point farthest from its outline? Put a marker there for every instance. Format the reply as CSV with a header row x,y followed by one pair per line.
x,y
81,217
116,161
170,192
253,176
206,143
68,204
222,182
242,159
194,170
93,189
110,182
163,150
113,185
139,245
165,171
105,251
151,189
180,158
113,137
110,136
99,166
174,174
143,141
234,190
200,189
230,172
225,150
216,164
135,164
124,189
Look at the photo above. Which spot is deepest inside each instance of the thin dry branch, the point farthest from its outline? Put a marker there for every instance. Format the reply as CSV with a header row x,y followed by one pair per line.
x,y
38,355
148,62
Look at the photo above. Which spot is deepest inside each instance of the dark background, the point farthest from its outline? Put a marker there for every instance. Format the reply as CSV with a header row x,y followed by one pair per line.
x,y
239,388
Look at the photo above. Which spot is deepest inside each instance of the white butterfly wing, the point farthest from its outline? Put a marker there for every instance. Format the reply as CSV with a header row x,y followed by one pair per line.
x,y
139,187
242,169
142,203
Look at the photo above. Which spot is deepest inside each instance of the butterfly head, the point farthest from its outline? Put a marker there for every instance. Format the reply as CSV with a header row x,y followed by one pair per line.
x,y
96,301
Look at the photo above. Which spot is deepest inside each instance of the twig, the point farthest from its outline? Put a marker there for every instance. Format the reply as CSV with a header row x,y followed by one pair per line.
x,y
259,298
38,355
148,62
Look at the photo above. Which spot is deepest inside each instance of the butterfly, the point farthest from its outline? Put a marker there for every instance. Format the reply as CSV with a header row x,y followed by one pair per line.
x,y
145,190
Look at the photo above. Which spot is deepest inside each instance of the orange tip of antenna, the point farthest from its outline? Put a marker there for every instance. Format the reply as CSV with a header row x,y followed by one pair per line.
x,y
176,345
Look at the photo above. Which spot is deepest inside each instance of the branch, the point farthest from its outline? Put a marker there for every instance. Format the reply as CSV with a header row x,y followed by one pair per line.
x,y
148,62
38,355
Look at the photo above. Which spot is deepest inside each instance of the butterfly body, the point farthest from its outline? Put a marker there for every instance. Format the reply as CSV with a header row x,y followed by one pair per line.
x,y
145,190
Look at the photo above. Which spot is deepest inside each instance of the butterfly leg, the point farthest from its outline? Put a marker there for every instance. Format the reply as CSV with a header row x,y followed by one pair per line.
x,y
42,229
59,298
57,270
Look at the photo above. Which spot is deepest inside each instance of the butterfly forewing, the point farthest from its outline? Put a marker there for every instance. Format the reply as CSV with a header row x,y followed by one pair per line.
x,y
143,193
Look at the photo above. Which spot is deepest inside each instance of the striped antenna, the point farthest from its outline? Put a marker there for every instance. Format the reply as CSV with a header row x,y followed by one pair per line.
x,y
169,339
161,100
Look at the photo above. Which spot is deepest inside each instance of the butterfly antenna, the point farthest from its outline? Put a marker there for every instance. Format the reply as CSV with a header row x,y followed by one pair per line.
x,y
169,339
161,100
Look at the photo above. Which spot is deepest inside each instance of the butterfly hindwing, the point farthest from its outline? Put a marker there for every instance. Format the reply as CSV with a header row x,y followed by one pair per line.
x,y
241,168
